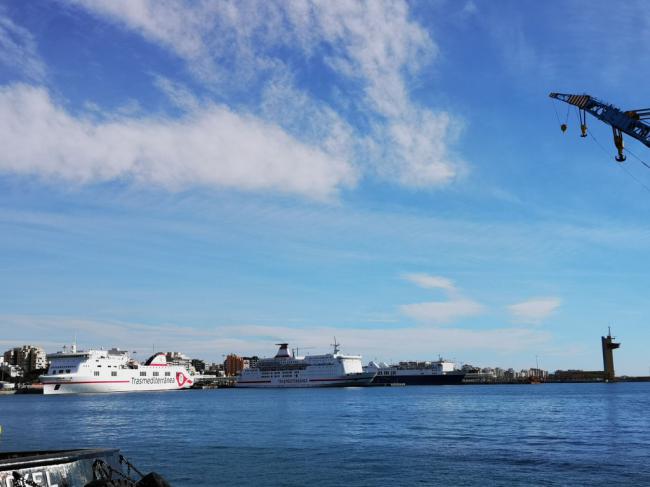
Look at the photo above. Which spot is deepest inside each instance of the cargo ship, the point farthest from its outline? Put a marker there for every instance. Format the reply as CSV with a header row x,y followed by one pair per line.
x,y
429,373
289,370
93,371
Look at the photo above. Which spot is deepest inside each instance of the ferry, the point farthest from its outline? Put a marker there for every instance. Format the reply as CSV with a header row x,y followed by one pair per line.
x,y
289,370
93,371
427,373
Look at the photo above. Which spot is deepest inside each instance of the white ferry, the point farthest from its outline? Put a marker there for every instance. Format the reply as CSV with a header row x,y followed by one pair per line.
x,y
91,371
288,370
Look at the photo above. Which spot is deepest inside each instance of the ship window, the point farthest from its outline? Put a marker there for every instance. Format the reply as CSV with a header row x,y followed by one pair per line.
x,y
96,372
67,371
143,374
113,373
167,374
155,374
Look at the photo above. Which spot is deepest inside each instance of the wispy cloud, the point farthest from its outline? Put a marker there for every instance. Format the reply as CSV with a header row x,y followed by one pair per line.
x,y
18,50
428,281
534,311
374,49
440,312
211,146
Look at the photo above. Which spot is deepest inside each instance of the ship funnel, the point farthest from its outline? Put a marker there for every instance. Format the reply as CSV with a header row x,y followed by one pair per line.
x,y
283,351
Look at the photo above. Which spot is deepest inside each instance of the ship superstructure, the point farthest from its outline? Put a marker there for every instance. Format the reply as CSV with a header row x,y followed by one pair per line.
x,y
92,371
288,370
438,372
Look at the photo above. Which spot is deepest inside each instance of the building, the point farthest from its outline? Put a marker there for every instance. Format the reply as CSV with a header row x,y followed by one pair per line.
x,y
233,365
9,357
28,358
199,365
215,369
538,373
250,361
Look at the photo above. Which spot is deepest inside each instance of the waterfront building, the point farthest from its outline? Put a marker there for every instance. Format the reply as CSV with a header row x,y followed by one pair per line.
x,y
233,365
215,369
9,357
198,365
538,373
28,358
470,369
250,362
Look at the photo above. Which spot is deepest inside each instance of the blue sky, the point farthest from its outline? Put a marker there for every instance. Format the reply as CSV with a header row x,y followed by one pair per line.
x,y
215,177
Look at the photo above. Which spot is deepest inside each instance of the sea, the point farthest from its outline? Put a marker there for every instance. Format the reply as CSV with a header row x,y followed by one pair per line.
x,y
540,434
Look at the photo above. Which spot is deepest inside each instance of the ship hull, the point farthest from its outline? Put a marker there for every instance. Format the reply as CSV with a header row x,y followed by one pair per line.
x,y
83,387
420,380
349,380
91,385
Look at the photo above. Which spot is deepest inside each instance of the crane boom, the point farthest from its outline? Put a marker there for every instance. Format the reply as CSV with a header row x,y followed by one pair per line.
x,y
630,122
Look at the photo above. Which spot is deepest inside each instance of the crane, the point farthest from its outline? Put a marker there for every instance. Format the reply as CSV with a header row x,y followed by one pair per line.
x,y
630,122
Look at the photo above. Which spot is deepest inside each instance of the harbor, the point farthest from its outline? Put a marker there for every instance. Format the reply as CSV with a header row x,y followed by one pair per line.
x,y
74,371
359,243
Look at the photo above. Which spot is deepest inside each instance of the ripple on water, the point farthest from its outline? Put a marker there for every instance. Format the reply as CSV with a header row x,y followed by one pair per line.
x,y
468,435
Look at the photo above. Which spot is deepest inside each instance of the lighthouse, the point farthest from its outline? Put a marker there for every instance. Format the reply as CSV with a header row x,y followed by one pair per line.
x,y
608,355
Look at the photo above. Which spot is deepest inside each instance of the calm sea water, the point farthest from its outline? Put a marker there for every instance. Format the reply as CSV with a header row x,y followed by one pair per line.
x,y
550,434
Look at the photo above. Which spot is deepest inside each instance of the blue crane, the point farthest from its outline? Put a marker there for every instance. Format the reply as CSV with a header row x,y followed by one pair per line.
x,y
630,122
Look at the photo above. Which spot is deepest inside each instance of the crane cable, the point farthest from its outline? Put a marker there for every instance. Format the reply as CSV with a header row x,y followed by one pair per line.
x,y
626,149
622,166
637,158
563,126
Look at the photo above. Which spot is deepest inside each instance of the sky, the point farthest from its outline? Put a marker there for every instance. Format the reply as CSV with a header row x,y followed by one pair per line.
x,y
217,177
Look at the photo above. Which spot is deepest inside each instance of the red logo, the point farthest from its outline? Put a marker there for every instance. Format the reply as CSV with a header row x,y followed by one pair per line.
x,y
181,380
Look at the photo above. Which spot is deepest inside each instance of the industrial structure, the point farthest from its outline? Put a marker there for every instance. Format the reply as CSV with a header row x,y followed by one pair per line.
x,y
630,122
608,355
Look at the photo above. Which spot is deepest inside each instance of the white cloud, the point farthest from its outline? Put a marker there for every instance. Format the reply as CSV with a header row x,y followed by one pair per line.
x,y
440,312
534,311
431,282
18,50
211,146
375,48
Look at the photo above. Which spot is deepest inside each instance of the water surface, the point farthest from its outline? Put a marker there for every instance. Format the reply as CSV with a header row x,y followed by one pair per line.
x,y
549,434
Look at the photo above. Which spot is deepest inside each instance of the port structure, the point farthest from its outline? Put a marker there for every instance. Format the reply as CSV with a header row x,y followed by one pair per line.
x,y
609,346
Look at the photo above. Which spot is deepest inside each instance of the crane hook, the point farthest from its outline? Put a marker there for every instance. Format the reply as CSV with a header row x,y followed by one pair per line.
x,y
583,122
618,142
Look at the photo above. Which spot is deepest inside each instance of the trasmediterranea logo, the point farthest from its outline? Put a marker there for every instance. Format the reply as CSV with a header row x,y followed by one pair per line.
x,y
181,380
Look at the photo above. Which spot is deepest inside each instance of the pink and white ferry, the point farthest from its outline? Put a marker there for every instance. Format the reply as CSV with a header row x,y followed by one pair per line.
x,y
289,370
93,371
